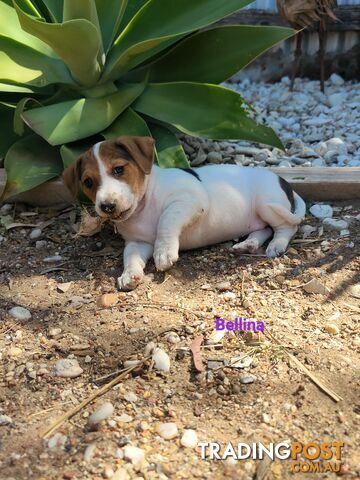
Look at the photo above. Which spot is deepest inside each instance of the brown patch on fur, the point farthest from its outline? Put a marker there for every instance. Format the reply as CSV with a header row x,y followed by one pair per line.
x,y
89,169
289,192
112,156
135,154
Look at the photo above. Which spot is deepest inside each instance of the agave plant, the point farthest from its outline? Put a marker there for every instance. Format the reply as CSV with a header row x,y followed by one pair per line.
x,y
74,71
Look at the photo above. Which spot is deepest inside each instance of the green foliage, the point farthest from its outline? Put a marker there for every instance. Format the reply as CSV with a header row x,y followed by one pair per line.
x,y
74,69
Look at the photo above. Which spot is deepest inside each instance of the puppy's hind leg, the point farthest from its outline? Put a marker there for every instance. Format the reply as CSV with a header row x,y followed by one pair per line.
x,y
281,240
254,241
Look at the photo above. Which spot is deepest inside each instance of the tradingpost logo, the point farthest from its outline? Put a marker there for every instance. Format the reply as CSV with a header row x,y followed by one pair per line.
x,y
312,457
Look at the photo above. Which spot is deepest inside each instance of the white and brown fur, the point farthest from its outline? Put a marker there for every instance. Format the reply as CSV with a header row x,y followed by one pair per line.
x,y
161,211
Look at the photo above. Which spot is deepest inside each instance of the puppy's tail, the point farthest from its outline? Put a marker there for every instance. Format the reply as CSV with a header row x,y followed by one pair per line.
x,y
292,218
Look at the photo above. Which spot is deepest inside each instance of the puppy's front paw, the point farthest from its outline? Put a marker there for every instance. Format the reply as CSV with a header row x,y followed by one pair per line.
x,y
165,258
130,279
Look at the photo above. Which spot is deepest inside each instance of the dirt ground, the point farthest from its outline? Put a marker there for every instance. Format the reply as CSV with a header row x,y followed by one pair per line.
x,y
282,403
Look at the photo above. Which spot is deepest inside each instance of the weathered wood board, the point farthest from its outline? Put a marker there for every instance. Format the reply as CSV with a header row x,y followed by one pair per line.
x,y
313,183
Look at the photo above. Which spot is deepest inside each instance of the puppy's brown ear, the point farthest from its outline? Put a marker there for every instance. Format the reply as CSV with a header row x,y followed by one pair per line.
x,y
71,177
141,150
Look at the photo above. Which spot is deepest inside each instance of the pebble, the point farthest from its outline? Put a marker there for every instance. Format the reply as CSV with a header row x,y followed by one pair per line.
x,y
107,300
336,145
167,430
336,80
245,379
241,362
108,472
67,368
14,352
124,418
355,290
332,328
321,211
161,360
53,259
57,442
40,244
131,397
120,474
216,336
103,412
134,454
35,233
214,157
189,439
20,313
89,452
334,224
223,286
5,420
315,286
54,332
307,230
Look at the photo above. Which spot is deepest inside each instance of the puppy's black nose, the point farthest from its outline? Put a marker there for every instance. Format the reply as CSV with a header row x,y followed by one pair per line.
x,y
108,207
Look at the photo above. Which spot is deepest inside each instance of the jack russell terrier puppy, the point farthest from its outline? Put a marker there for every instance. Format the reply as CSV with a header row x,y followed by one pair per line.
x,y
160,211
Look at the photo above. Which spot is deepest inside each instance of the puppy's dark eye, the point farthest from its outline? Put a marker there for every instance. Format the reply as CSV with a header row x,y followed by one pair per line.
x,y
117,171
88,183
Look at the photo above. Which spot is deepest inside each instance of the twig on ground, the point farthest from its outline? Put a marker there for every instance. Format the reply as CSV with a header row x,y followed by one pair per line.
x,y
320,384
73,411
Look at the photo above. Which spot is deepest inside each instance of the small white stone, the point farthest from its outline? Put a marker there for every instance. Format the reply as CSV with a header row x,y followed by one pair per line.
x,y
89,452
334,224
216,336
321,211
332,329
167,430
355,290
336,80
131,397
67,368
57,442
20,313
5,420
337,99
149,348
103,412
35,233
307,230
53,259
134,454
161,360
266,418
120,474
314,286
124,418
337,145
189,439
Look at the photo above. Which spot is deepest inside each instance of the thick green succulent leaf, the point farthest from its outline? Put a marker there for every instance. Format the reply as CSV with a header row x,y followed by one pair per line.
x,y
22,64
7,134
159,24
72,151
10,27
76,119
28,6
170,152
86,9
128,123
133,6
7,87
203,110
110,13
28,163
228,50
77,42
54,9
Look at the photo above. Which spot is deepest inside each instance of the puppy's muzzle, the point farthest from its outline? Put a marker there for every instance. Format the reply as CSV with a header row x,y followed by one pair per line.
x,y
108,208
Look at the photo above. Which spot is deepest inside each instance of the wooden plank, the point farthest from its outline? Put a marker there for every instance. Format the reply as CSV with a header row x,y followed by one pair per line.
x,y
348,15
312,183
328,183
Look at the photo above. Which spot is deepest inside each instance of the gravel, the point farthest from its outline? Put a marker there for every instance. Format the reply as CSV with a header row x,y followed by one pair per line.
x,y
67,368
103,412
318,130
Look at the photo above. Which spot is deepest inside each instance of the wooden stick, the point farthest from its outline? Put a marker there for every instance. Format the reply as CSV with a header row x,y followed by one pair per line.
x,y
319,383
70,413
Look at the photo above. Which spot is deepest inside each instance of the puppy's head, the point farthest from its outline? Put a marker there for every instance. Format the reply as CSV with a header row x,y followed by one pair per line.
x,y
112,175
